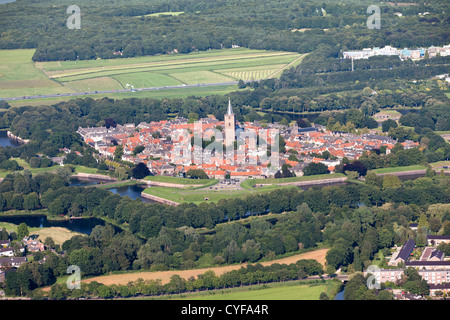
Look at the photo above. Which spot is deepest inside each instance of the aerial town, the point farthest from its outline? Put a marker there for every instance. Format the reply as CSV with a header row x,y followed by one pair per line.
x,y
413,54
165,141
191,150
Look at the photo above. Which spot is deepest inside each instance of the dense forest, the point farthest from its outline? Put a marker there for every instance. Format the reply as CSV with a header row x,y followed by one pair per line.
x,y
354,220
112,26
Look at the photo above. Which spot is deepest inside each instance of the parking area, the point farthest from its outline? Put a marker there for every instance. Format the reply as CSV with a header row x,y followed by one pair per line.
x,y
227,184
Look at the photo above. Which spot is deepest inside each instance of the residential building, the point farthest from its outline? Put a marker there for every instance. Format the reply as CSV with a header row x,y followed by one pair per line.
x,y
11,262
7,252
403,254
435,240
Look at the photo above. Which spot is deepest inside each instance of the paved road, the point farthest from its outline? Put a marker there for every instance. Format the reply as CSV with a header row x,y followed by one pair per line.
x,y
73,94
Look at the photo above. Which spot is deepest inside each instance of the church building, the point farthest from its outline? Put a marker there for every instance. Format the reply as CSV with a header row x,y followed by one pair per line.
x,y
230,126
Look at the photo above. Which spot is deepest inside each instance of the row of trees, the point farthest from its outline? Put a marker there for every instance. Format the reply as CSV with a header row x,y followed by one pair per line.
x,y
249,275
162,237
213,25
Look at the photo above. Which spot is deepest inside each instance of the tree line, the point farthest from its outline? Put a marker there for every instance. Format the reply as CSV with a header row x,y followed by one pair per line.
x,y
212,25
348,219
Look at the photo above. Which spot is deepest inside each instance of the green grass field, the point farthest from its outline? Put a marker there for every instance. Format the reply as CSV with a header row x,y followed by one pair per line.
x,y
299,292
184,181
249,183
178,93
399,169
165,70
19,76
201,195
293,290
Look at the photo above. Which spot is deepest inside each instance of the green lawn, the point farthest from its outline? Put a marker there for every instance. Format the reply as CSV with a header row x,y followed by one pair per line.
x,y
19,77
201,195
196,77
146,80
399,169
177,93
178,180
83,169
251,182
275,291
166,70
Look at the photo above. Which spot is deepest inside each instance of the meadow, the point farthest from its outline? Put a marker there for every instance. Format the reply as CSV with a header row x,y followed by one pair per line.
x,y
183,181
277,291
249,183
167,70
399,169
58,234
201,195
20,76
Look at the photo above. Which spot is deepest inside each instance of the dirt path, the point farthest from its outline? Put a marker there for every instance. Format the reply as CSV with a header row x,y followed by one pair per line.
x,y
165,276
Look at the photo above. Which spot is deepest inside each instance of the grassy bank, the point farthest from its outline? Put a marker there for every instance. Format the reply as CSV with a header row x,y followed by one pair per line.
x,y
295,290
249,183
184,181
202,195
399,169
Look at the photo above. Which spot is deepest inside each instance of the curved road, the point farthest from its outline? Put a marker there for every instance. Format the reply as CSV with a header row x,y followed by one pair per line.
x,y
73,94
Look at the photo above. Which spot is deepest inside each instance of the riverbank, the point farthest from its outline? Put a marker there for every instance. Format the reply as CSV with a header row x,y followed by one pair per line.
x,y
302,180
308,182
95,176
159,199
177,182
16,138
169,184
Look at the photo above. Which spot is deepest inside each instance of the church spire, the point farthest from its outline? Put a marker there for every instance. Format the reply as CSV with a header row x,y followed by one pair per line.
x,y
230,110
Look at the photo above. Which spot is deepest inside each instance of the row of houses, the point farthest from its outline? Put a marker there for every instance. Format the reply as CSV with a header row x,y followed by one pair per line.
x,y
7,250
413,54
431,266
168,151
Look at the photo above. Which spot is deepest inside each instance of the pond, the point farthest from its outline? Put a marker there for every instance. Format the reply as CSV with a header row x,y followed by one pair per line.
x,y
6,141
82,182
133,191
84,225
340,295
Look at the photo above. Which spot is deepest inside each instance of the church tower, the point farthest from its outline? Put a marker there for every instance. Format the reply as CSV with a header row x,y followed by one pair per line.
x,y
230,124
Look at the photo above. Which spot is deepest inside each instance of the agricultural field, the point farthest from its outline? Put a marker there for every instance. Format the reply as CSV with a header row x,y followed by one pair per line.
x,y
164,276
175,93
289,291
19,77
166,70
